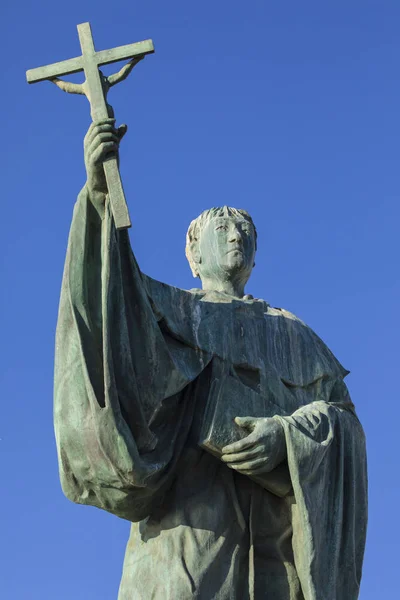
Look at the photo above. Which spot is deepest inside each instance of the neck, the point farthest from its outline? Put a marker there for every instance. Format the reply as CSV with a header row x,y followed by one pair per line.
x,y
231,288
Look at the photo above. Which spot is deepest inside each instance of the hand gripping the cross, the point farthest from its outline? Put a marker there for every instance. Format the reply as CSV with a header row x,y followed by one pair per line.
x,y
100,143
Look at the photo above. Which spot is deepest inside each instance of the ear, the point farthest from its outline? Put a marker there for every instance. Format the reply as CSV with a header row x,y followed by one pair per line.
x,y
196,257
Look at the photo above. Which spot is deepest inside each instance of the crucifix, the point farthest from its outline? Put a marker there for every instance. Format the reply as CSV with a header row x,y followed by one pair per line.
x,y
95,88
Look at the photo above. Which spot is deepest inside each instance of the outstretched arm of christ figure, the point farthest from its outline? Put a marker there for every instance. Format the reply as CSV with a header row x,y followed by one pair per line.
x,y
106,82
124,72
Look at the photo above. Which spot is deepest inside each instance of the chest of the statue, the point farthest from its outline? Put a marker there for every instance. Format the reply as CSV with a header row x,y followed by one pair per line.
x,y
235,332
249,335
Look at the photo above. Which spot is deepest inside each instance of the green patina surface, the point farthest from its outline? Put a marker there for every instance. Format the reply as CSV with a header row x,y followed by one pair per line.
x,y
148,379
219,426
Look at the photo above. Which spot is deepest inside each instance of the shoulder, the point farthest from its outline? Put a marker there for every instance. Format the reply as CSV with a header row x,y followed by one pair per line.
x,y
303,342
273,311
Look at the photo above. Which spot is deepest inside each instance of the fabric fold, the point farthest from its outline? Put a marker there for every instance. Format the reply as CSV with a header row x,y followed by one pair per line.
x,y
114,371
134,365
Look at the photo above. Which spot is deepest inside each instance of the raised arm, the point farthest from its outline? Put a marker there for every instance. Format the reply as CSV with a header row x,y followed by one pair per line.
x,y
113,366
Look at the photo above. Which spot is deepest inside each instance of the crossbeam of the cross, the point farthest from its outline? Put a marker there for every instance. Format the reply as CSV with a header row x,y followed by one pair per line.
x,y
96,92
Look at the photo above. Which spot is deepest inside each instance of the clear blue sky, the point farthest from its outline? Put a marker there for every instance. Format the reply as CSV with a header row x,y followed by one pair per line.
x,y
288,109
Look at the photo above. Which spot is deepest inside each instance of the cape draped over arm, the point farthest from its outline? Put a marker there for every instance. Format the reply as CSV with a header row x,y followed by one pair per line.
x,y
122,393
327,464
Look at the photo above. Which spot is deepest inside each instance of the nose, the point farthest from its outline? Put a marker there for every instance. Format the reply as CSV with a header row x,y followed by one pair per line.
x,y
235,235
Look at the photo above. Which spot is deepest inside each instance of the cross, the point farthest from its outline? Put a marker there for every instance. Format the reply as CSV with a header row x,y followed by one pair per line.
x,y
95,88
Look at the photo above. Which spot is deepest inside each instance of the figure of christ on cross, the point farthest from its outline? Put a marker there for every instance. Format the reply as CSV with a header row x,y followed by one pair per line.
x,y
95,88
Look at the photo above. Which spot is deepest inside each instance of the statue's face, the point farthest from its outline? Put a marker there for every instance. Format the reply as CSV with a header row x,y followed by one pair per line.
x,y
227,248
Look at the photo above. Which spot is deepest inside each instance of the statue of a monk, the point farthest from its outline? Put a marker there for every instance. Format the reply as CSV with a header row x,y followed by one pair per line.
x,y
220,427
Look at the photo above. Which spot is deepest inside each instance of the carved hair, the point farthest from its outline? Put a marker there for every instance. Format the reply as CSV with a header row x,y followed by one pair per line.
x,y
198,224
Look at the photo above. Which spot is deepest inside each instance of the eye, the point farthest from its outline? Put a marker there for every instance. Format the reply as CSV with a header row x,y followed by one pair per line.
x,y
247,229
221,228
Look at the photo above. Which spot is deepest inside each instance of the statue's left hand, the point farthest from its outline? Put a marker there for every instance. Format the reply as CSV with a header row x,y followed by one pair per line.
x,y
261,451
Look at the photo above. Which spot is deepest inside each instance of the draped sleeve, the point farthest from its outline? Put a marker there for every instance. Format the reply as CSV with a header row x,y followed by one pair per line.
x,y
327,464
122,392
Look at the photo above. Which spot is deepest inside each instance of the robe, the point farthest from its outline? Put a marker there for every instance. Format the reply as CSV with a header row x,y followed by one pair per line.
x,y
135,361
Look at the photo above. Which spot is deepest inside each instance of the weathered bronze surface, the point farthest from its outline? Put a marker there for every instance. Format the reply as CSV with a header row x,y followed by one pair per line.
x,y
219,426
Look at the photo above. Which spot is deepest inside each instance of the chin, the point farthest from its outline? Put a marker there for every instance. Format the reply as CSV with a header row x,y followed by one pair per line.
x,y
236,267
236,261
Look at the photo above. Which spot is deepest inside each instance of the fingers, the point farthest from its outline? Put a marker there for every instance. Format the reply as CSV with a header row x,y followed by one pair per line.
x,y
98,127
104,142
101,143
249,441
243,456
244,444
104,150
248,462
251,467
101,138
121,131
95,124
246,422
